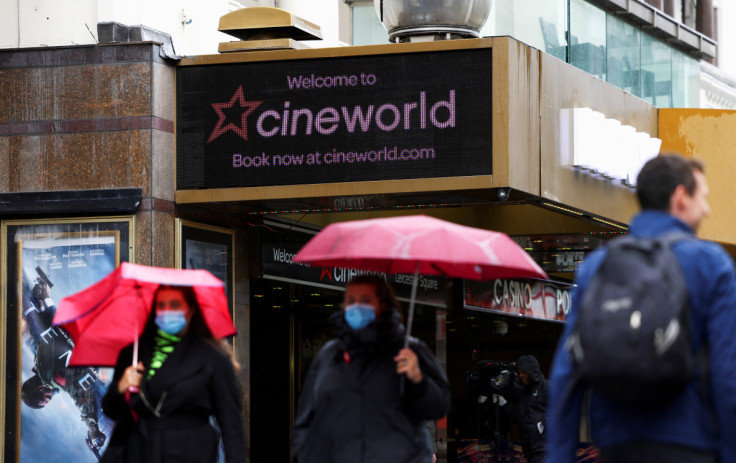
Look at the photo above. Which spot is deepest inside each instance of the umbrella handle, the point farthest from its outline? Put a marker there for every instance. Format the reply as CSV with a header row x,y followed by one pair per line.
x,y
134,389
136,334
410,317
131,390
135,345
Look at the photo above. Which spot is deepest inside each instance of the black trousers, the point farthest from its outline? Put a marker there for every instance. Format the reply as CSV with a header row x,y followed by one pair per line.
x,y
655,452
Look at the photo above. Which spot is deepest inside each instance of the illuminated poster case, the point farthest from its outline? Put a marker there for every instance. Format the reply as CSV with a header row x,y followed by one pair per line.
x,y
207,247
52,411
323,120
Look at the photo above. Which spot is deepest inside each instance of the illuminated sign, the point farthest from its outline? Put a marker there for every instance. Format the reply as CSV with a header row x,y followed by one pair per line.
x,y
532,298
604,147
387,117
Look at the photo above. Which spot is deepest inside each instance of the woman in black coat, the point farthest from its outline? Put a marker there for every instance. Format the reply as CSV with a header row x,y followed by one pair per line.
x,y
365,397
183,379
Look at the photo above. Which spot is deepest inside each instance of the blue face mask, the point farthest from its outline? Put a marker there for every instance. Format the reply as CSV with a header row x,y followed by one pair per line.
x,y
359,315
171,321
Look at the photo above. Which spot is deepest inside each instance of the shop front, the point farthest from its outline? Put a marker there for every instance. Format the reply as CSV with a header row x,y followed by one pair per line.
x,y
463,322
476,132
268,148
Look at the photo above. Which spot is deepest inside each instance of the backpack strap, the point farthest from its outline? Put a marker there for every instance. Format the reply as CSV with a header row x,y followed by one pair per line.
x,y
673,237
703,353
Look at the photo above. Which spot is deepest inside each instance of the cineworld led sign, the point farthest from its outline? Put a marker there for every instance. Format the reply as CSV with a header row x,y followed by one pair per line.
x,y
378,117
604,147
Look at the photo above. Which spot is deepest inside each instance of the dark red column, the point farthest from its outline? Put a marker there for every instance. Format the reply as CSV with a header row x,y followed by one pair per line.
x,y
704,17
670,6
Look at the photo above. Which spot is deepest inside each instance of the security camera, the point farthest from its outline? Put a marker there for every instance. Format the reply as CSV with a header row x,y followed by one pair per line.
x,y
503,194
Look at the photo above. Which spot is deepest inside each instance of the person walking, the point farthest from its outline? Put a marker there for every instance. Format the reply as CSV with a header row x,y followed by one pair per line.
x,y
695,426
366,397
184,378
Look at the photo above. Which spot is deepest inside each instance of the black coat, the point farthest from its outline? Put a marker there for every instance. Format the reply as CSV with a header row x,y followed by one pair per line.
x,y
353,411
199,381
531,408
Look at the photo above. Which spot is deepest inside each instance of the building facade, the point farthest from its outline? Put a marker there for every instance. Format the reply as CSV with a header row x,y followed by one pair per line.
x,y
137,150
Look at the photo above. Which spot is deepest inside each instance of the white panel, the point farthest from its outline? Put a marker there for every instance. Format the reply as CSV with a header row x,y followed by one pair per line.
x,y
324,13
56,22
9,24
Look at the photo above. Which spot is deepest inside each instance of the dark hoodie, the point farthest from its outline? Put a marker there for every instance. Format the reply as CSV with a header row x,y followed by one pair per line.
x,y
351,408
531,408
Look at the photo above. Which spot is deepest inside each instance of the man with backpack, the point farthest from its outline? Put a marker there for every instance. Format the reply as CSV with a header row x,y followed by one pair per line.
x,y
690,423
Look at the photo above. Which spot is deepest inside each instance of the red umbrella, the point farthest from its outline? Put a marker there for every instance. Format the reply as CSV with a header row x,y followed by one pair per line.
x,y
109,315
419,244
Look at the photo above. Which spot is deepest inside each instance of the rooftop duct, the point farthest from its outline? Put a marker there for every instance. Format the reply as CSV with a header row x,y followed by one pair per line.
x,y
426,20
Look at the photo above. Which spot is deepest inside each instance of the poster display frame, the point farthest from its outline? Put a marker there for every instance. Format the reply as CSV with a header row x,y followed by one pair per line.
x,y
189,232
119,229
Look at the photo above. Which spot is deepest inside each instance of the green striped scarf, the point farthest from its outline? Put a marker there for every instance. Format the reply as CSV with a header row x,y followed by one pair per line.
x,y
164,345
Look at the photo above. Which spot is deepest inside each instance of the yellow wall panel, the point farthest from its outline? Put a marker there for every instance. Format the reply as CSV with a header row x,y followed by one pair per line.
x,y
710,136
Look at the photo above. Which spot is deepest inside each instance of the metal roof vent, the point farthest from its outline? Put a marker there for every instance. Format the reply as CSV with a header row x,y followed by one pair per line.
x,y
427,20
264,28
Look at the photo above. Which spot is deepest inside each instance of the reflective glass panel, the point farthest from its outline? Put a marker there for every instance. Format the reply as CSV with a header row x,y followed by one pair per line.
x,y
623,61
685,81
656,71
367,29
587,49
538,23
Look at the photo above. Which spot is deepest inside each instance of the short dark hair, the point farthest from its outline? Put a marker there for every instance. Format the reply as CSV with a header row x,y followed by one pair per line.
x,y
33,392
661,175
384,292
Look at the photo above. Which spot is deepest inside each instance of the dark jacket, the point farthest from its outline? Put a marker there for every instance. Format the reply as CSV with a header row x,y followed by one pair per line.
x,y
351,408
198,381
531,408
690,420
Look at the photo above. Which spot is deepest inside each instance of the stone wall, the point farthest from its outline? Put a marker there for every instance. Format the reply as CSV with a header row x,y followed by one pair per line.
x,y
90,118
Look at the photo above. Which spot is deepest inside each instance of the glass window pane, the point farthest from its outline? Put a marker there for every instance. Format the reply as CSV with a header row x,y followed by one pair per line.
x,y
656,71
587,49
685,81
539,23
623,63
367,29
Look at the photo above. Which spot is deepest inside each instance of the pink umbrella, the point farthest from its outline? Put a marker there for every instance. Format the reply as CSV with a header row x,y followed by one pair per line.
x,y
419,244
109,315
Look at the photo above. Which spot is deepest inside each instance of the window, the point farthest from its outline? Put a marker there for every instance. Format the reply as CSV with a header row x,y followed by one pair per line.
x,y
623,60
367,28
656,71
685,81
587,48
600,44
544,29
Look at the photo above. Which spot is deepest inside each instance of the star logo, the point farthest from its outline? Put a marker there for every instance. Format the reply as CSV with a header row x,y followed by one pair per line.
x,y
247,107
326,271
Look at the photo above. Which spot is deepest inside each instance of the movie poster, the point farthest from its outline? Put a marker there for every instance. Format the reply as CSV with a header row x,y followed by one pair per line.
x,y
61,415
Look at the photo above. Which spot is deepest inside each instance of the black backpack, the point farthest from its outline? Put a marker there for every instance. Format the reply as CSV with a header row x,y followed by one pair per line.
x,y
631,342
